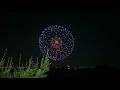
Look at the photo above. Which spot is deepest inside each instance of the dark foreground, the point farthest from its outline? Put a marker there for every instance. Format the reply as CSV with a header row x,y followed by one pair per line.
x,y
99,72
85,73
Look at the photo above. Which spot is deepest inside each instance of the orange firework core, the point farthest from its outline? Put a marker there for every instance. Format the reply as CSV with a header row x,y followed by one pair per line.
x,y
56,42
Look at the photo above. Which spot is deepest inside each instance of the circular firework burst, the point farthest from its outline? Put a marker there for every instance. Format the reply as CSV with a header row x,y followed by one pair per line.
x,y
57,42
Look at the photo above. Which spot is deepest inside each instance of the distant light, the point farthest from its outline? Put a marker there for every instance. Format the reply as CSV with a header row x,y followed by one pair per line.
x,y
68,65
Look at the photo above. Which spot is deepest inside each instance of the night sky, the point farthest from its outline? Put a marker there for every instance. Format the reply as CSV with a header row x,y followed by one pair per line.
x,y
96,36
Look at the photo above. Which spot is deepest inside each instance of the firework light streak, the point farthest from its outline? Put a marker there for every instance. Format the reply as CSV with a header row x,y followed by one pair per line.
x,y
57,42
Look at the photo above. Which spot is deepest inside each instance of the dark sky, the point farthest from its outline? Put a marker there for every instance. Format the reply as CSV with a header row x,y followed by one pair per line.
x,y
96,36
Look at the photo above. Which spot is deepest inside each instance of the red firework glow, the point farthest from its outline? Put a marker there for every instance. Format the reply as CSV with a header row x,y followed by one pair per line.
x,y
56,44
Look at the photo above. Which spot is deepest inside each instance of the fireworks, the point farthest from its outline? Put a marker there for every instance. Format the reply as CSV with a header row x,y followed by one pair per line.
x,y
57,42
